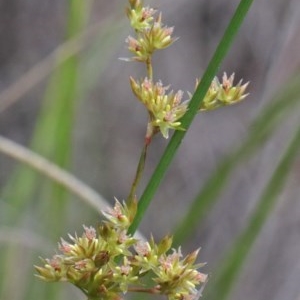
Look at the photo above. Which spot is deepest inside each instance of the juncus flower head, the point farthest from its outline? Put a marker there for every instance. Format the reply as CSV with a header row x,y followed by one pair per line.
x,y
140,17
106,262
177,277
223,93
121,215
150,32
165,108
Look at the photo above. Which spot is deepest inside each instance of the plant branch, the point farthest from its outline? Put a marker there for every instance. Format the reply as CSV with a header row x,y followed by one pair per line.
x,y
138,175
149,68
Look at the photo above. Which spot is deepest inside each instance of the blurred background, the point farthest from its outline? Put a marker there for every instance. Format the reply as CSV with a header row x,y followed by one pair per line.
x,y
233,188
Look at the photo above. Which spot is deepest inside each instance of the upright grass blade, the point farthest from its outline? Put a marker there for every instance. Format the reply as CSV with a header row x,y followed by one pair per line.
x,y
198,96
262,127
233,262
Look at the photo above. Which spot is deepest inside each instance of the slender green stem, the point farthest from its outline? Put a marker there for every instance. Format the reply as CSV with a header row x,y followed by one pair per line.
x,y
141,165
149,68
138,174
186,121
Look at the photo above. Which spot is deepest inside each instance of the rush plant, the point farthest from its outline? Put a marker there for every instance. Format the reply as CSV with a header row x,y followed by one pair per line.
x,y
109,261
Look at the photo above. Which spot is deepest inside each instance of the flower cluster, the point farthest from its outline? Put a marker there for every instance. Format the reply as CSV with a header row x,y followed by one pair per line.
x,y
165,109
223,93
107,262
150,32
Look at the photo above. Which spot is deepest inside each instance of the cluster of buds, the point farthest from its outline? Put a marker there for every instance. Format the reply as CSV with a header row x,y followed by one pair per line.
x,y
223,93
107,262
150,32
165,109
